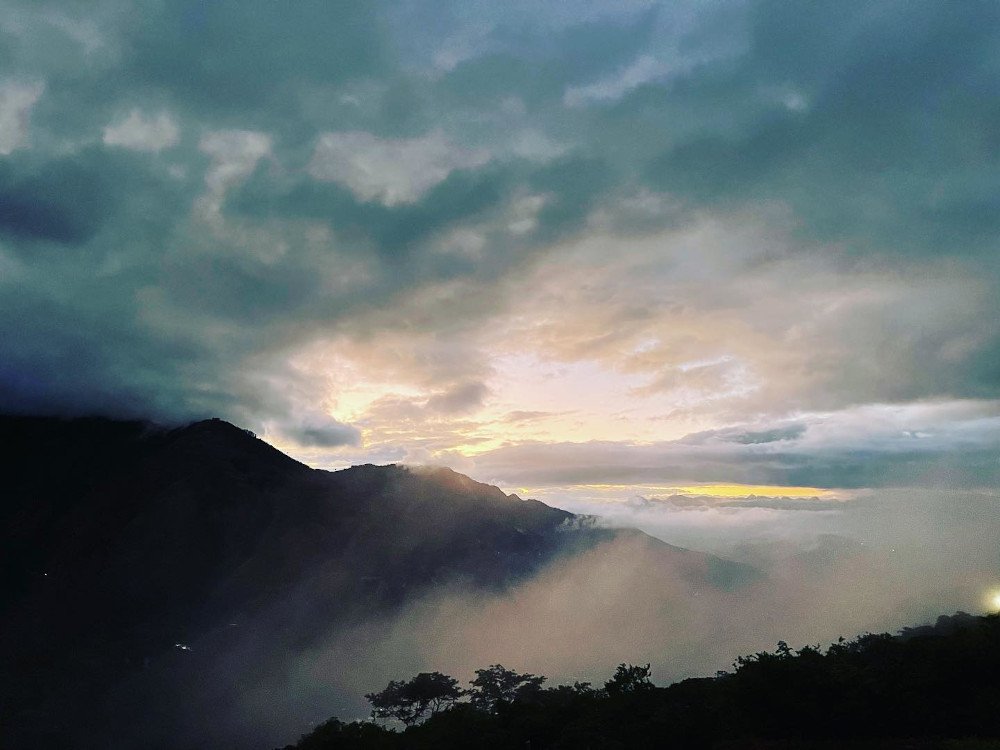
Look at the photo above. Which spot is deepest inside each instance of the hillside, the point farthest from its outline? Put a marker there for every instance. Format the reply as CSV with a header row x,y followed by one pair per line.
x,y
936,686
151,574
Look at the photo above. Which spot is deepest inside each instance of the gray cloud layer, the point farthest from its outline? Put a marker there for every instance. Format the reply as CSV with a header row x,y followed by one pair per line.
x,y
173,224
929,445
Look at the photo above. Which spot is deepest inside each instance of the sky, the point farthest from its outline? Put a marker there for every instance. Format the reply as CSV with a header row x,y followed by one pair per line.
x,y
590,251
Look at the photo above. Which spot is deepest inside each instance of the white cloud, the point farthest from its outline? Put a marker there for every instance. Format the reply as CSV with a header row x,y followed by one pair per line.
x,y
947,443
16,101
234,155
643,70
140,132
391,170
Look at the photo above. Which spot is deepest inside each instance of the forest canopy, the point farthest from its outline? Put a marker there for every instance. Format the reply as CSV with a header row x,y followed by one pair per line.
x,y
934,682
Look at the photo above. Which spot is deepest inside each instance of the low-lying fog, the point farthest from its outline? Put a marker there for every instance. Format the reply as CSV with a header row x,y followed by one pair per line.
x,y
871,562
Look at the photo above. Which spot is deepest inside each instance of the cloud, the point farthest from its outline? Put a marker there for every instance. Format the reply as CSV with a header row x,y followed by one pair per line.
x,y
943,444
643,70
460,399
705,502
526,416
861,109
322,432
244,59
93,198
736,315
710,214
390,170
143,133
16,101
744,437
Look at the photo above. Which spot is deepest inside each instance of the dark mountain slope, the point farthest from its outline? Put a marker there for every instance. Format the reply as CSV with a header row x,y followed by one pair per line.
x,y
124,543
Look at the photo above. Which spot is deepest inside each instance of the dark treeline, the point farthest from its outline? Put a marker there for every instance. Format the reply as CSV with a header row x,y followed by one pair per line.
x,y
927,687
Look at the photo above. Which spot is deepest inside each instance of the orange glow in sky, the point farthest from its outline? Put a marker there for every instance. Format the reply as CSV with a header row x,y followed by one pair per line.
x,y
746,490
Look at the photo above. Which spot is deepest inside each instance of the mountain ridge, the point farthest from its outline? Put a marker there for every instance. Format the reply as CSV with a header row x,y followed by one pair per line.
x,y
124,541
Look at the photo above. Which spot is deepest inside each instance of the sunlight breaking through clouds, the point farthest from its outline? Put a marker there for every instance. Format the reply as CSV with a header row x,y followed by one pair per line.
x,y
529,242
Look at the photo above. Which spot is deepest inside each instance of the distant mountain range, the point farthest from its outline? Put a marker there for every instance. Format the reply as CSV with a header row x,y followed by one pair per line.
x,y
148,572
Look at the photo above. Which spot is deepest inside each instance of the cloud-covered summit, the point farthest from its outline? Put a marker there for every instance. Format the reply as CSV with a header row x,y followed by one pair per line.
x,y
376,230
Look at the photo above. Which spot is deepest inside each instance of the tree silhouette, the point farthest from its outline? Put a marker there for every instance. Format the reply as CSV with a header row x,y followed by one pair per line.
x,y
408,702
930,687
496,685
629,678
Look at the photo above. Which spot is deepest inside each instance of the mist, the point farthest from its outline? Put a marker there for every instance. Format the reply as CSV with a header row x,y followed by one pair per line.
x,y
878,562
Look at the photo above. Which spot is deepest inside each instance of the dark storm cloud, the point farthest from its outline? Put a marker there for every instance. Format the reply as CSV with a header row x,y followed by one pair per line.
x,y
323,434
53,362
238,56
63,203
392,232
882,128
404,238
70,199
175,270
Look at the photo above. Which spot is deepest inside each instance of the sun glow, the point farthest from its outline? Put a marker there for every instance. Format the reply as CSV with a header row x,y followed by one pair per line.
x,y
618,493
746,490
993,601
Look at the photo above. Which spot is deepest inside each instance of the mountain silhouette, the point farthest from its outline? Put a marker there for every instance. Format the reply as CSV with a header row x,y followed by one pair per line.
x,y
147,570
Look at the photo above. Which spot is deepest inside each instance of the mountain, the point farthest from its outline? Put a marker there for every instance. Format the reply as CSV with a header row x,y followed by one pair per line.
x,y
152,574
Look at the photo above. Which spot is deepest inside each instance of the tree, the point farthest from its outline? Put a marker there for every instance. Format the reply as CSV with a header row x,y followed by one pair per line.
x,y
496,685
337,734
629,679
408,702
